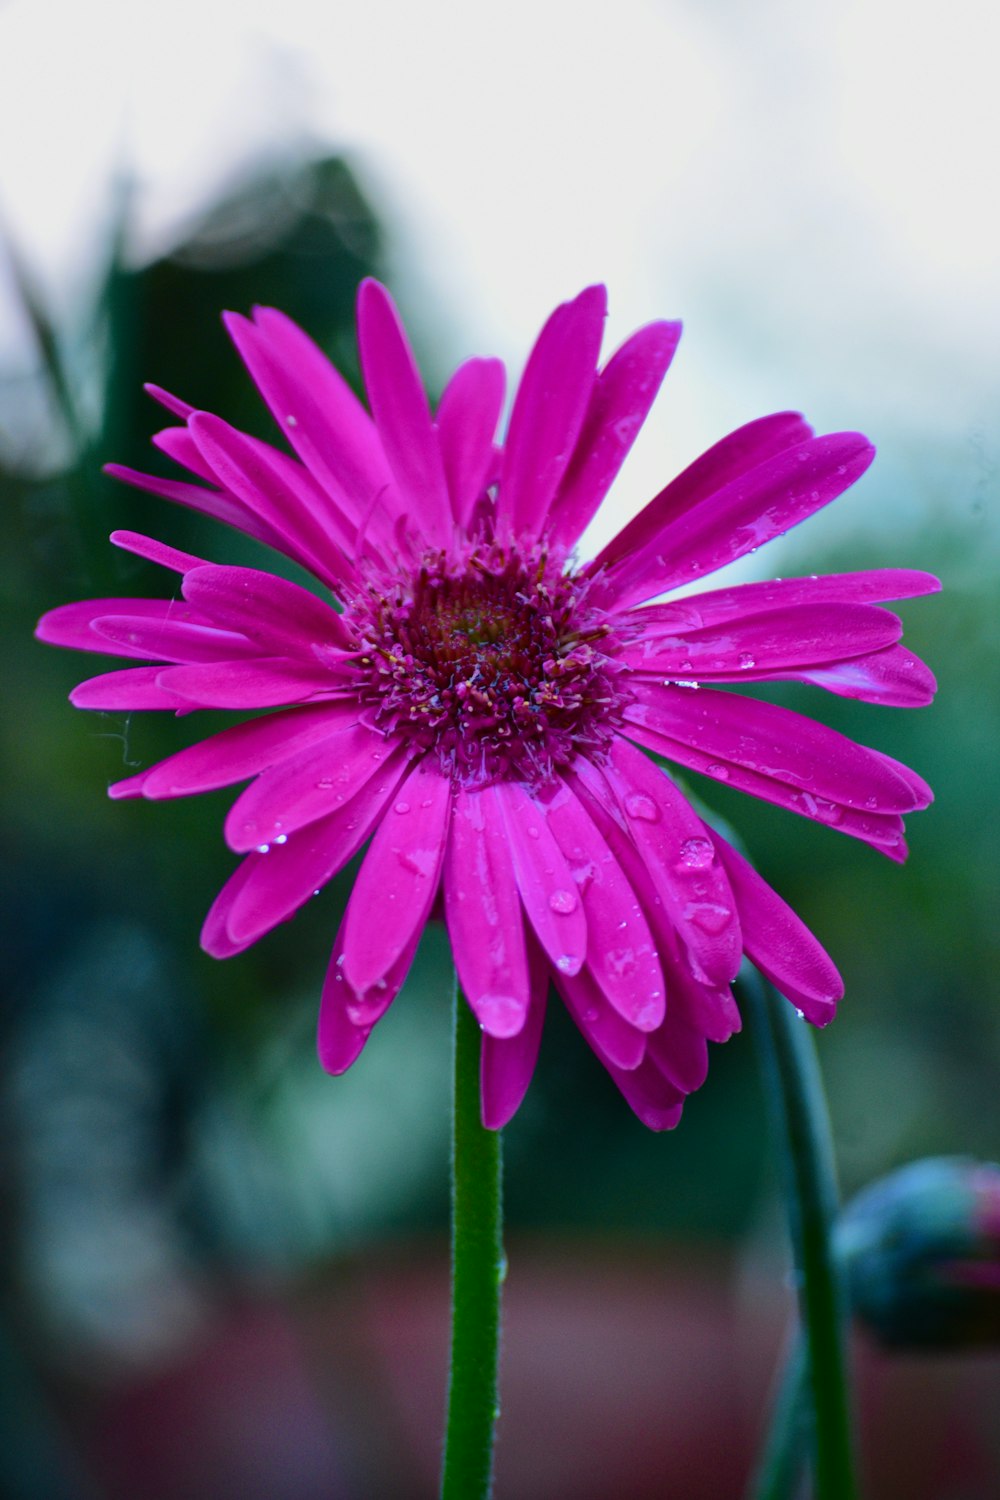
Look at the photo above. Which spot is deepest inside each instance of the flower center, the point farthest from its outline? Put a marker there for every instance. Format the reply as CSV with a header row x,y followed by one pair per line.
x,y
495,660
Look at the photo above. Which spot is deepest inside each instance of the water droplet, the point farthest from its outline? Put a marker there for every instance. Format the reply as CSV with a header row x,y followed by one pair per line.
x,y
566,964
710,916
292,421
638,805
563,902
324,783
263,848
622,961
591,1015
801,1014
684,682
282,838
401,808
533,832
746,661
696,854
719,771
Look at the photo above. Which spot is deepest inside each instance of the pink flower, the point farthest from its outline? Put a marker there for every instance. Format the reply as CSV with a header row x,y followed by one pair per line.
x,y
480,707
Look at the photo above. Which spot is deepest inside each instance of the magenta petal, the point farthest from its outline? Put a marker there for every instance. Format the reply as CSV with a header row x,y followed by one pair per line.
x,y
305,786
215,938
507,1063
289,874
689,541
544,879
774,742
779,942
126,691
679,857
178,444
620,401
170,638
397,883
214,503
656,1101
770,643
365,1010
73,624
616,1042
680,1052
467,418
245,750
283,618
305,521
402,415
483,912
339,1042
893,677
156,552
173,404
338,435
719,606
621,953
549,410
267,682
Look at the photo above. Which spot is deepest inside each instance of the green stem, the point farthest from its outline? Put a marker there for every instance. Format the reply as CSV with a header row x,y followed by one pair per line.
x,y
794,1091
477,1271
779,1468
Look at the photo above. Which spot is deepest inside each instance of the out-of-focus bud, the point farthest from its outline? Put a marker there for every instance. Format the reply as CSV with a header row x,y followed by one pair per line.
x,y
920,1251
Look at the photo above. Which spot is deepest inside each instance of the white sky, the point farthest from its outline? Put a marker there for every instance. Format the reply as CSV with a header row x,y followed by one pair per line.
x,y
811,186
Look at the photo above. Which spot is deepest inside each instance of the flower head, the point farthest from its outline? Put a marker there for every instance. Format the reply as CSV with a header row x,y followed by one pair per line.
x,y
479,704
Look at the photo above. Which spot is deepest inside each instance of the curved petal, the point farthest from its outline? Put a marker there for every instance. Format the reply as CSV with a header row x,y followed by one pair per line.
x,y
893,677
616,1042
680,859
282,880
215,503
549,411
398,881
156,552
779,942
170,638
72,625
621,953
657,1102
467,419
544,879
507,1063
283,618
771,643
305,786
483,913
619,404
265,682
127,691
402,415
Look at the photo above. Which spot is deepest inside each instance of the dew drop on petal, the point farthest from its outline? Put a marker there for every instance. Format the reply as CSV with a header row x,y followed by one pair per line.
x,y
710,916
263,848
638,805
696,854
718,770
563,902
801,1014
401,808
746,661
566,964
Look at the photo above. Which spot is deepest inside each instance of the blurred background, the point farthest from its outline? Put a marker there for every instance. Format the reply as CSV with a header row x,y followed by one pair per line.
x,y
223,1273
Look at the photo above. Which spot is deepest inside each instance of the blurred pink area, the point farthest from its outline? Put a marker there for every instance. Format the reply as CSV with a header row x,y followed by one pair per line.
x,y
627,1371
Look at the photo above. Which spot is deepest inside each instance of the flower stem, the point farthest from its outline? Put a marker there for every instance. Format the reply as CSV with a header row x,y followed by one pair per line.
x,y
794,1091
477,1271
779,1467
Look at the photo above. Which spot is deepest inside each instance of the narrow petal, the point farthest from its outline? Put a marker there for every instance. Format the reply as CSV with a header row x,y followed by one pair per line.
x,y
72,625
398,880
467,419
621,953
619,404
339,1042
173,404
774,642
170,638
156,552
507,1063
284,878
127,691
214,503
779,942
307,523
283,618
402,415
267,682
305,786
893,677
544,879
483,913
687,534
678,1049
215,938
244,750
719,606
178,445
679,857
333,434
549,410
657,1102
774,742
616,1043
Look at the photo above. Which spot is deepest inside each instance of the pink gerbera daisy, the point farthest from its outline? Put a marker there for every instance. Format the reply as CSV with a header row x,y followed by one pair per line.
x,y
479,701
